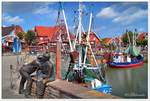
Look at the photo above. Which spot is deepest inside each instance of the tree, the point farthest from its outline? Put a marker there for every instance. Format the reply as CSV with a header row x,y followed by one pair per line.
x,y
145,41
142,42
125,37
21,35
30,37
129,36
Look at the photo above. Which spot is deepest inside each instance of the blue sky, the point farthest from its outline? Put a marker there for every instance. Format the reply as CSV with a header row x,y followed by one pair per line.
x,y
110,18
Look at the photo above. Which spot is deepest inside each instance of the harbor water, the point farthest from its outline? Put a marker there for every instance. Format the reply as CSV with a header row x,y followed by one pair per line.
x,y
126,83
129,82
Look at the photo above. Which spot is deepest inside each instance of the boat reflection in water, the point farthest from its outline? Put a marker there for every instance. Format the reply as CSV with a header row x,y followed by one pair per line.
x,y
129,82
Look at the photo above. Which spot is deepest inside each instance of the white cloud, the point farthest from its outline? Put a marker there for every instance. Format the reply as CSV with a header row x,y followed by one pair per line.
x,y
107,12
124,17
130,15
26,7
42,10
46,11
140,29
84,7
11,19
49,3
99,29
4,25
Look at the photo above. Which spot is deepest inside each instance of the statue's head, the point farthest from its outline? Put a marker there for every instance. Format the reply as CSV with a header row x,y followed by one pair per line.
x,y
39,57
46,56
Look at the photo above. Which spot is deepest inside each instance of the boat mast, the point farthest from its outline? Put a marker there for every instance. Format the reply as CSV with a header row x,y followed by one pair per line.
x,y
88,43
80,33
128,37
87,39
134,34
71,48
133,38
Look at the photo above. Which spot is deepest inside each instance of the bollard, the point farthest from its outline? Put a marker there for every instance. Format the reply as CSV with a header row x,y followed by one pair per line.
x,y
58,60
11,79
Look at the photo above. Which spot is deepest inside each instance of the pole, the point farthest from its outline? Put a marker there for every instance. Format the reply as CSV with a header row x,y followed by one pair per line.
x,y
128,37
58,60
76,39
71,48
80,32
11,79
89,30
133,38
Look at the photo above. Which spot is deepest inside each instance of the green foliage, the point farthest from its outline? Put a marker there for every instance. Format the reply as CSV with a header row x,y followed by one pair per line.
x,y
142,42
34,42
138,42
21,35
126,39
30,37
145,42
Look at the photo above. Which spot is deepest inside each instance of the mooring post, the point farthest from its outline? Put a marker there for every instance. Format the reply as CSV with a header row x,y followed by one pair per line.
x,y
58,60
11,79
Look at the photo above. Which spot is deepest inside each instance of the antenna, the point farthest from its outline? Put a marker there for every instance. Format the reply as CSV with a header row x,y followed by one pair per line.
x,y
59,11
135,36
93,22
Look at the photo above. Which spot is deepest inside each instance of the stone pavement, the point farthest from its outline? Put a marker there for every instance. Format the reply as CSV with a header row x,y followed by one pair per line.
x,y
7,92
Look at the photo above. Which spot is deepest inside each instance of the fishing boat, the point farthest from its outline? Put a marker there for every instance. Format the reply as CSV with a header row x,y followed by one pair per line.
x,y
130,58
83,71
132,64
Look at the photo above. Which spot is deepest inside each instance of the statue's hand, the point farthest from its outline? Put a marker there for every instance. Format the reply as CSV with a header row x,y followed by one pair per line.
x,y
45,80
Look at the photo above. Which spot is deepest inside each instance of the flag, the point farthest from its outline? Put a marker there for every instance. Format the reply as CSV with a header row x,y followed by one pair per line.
x,y
17,45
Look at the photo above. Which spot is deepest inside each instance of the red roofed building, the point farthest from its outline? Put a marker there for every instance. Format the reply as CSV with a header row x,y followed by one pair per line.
x,y
7,34
142,36
52,34
107,41
13,28
44,31
94,38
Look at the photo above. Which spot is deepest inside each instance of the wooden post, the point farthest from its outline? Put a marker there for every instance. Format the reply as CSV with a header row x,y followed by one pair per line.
x,y
11,79
58,60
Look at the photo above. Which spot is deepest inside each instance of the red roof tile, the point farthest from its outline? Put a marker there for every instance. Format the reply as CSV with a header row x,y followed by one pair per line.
x,y
142,36
93,38
107,40
50,32
18,29
45,31
9,29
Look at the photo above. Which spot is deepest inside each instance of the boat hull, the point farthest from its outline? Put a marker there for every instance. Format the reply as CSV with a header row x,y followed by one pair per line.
x,y
126,64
